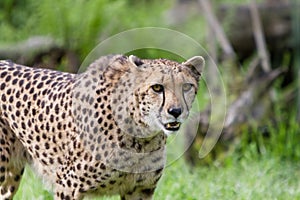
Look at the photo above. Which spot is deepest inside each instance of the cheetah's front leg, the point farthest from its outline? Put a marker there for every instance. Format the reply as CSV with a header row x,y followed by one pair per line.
x,y
11,182
11,162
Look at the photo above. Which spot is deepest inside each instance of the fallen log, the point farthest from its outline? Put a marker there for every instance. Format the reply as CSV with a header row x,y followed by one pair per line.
x,y
40,51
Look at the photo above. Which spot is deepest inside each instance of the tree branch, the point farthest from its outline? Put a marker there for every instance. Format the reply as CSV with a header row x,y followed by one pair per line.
x,y
259,37
215,25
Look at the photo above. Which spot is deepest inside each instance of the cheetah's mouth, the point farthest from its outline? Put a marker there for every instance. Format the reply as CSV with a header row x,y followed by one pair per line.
x,y
172,126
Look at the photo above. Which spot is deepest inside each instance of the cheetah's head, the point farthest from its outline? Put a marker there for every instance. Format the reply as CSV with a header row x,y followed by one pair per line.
x,y
157,94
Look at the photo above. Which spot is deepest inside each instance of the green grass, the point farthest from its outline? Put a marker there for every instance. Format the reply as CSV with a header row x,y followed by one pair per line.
x,y
246,178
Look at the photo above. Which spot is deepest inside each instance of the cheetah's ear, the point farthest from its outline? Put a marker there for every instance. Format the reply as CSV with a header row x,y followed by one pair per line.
x,y
196,63
135,60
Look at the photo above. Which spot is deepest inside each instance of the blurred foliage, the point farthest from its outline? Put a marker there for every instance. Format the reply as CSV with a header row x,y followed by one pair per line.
x,y
77,24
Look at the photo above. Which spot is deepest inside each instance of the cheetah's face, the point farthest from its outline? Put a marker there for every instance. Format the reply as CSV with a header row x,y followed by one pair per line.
x,y
164,92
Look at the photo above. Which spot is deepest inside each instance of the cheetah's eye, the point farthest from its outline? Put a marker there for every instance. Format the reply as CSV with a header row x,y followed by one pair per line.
x,y
157,88
187,87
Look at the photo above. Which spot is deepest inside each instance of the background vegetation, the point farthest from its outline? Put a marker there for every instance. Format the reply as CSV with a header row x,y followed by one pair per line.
x,y
261,166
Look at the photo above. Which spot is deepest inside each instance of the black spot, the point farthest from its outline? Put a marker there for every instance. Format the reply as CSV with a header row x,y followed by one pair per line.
x,y
102,166
59,160
25,97
8,92
78,166
28,85
99,139
17,178
3,98
81,190
82,179
109,116
3,158
44,78
36,129
8,78
4,131
47,126
54,84
105,153
36,76
15,81
111,126
101,106
98,157
86,157
12,189
100,120
86,119
105,124
40,117
56,109
18,104
21,82
18,94
2,86
85,168
92,147
88,83
44,136
106,132
11,99
40,85
48,82
88,182
69,183
3,74
23,125
148,191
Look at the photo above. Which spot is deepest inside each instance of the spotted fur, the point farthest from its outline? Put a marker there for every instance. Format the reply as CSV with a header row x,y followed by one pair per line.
x,y
101,132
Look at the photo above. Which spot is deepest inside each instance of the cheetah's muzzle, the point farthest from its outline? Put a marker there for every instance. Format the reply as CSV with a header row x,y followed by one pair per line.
x,y
172,126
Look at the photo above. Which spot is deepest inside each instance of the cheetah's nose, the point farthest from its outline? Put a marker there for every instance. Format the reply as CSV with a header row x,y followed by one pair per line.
x,y
175,112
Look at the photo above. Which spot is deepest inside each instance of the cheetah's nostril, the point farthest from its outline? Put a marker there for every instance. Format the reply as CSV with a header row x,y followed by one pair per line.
x,y
176,112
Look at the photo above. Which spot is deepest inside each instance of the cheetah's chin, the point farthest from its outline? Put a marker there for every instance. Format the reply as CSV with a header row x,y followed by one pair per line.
x,y
172,126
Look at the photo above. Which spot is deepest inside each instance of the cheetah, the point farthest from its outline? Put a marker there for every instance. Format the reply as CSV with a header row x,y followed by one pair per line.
x,y
101,132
